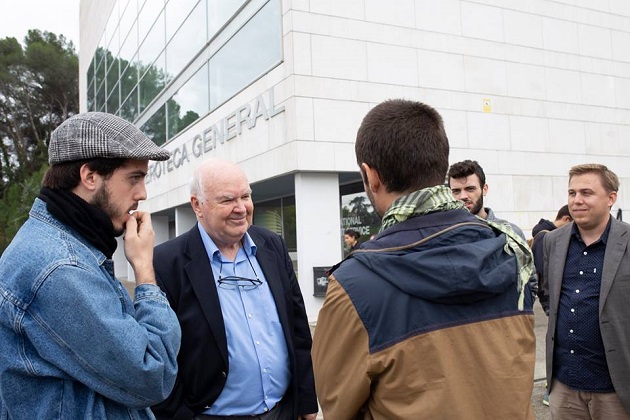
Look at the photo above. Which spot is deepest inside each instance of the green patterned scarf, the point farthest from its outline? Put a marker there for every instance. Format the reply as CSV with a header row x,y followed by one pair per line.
x,y
440,198
424,201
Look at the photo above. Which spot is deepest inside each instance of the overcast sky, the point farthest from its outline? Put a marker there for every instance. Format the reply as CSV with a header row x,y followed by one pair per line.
x,y
58,16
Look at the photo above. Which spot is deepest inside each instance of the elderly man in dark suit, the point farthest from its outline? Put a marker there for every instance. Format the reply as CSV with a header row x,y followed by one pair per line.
x,y
587,265
245,337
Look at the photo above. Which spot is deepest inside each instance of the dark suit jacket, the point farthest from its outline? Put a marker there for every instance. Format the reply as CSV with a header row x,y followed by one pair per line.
x,y
614,298
183,271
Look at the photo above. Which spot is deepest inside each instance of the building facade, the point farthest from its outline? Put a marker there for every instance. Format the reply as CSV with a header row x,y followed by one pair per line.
x,y
528,89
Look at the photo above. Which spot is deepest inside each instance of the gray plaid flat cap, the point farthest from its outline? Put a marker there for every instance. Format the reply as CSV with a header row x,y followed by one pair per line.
x,y
99,135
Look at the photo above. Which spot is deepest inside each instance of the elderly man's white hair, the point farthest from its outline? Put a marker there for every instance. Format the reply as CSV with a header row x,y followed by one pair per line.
x,y
199,176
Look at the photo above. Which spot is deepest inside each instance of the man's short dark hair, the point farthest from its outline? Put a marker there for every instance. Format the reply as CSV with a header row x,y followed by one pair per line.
x,y
405,142
66,175
466,168
564,211
353,233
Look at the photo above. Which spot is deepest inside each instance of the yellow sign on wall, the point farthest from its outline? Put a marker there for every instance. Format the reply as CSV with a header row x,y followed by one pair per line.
x,y
487,105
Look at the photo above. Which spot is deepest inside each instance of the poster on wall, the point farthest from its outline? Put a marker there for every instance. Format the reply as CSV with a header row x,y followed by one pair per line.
x,y
320,281
359,221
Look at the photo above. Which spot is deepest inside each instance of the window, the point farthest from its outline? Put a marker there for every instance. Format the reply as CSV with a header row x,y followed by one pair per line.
x,y
153,44
91,90
278,216
129,47
258,45
219,12
187,42
113,101
189,103
178,10
155,128
111,31
127,80
91,97
99,103
99,59
112,76
129,12
152,82
130,109
148,15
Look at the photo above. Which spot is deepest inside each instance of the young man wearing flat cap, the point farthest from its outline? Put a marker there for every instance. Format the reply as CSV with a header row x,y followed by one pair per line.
x,y
73,343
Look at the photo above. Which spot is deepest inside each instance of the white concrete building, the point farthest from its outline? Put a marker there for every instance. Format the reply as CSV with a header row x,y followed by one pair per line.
x,y
527,88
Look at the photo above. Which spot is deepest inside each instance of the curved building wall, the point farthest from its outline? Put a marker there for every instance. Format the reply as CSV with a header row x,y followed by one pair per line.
x,y
528,89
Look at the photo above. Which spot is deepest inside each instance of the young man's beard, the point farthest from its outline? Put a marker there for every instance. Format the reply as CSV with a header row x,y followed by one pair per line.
x,y
477,205
102,201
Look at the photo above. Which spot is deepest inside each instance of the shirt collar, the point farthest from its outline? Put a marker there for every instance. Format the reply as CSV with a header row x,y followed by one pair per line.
x,y
213,251
575,232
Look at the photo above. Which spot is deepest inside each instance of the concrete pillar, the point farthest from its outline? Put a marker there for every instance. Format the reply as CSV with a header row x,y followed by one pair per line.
x,y
160,227
184,219
318,218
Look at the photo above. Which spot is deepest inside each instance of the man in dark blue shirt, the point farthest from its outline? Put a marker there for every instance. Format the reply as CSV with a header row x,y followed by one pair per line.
x,y
587,267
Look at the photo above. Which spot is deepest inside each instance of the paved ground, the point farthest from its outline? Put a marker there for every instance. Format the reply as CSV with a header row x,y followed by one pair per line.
x,y
541,411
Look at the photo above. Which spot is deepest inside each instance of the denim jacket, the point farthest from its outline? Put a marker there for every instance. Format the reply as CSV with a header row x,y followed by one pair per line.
x,y
73,344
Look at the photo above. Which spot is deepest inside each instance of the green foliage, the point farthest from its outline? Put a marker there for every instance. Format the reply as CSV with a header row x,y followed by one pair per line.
x,y
16,205
358,214
38,90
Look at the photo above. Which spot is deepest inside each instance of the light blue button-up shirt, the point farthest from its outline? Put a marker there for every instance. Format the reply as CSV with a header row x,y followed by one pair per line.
x,y
259,373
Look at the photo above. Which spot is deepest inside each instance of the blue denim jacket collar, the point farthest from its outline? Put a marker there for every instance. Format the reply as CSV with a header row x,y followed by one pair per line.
x,y
39,212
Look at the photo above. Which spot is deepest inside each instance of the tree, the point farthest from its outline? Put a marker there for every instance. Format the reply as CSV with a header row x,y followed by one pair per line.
x,y
359,214
16,204
38,90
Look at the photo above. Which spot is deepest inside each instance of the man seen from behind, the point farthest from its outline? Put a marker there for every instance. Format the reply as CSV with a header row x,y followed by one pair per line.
x,y
427,320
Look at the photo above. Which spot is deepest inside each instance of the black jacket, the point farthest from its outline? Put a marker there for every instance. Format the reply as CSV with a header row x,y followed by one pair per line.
x,y
537,250
543,224
183,271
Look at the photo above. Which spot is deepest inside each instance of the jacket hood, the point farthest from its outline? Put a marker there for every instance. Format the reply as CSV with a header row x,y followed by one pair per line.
x,y
453,268
543,224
